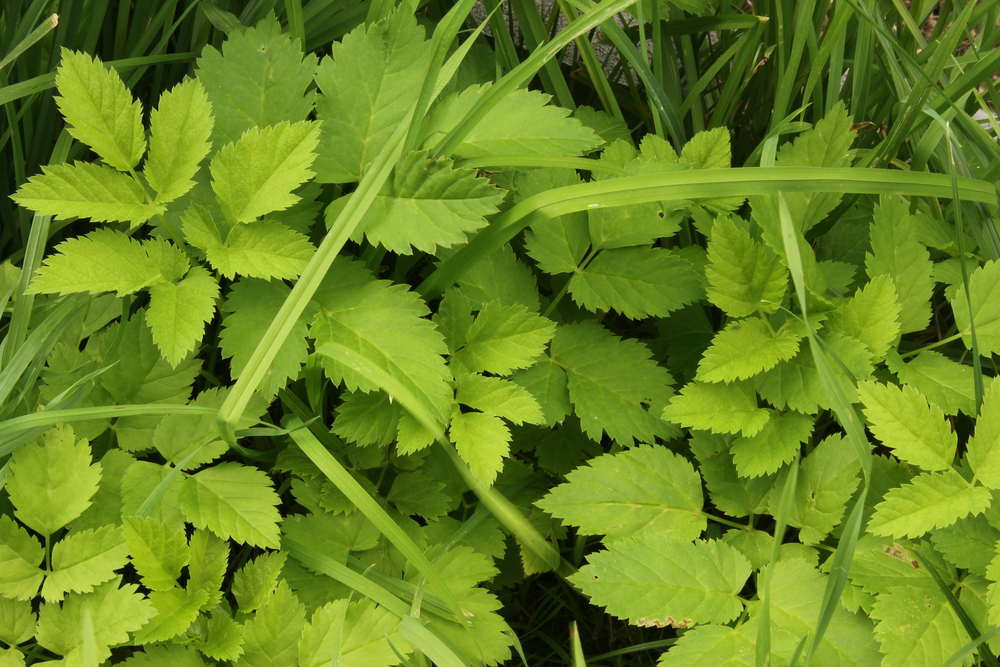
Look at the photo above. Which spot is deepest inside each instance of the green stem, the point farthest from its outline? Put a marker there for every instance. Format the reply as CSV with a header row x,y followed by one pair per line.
x,y
726,522
174,236
939,343
48,553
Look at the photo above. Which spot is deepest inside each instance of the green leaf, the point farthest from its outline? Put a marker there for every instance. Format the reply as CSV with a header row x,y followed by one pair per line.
x,y
367,419
664,581
17,621
708,150
100,110
175,611
199,228
500,277
719,408
969,543
51,482
140,480
711,646
181,435
776,444
904,421
259,79
250,307
208,565
916,626
359,632
158,551
257,174
385,324
102,261
827,479
931,500
871,316
609,379
558,243
744,349
172,655
637,224
483,441
84,560
261,249
233,501
944,382
984,447
425,204
222,639
522,122
498,397
547,382
20,556
255,581
178,313
637,282
983,291
387,61
418,493
86,190
641,490
734,494
897,254
743,275
271,636
504,338
180,128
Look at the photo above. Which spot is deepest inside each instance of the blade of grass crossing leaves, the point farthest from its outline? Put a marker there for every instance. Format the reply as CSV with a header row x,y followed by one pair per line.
x,y
763,655
88,648
47,25
574,640
296,24
960,657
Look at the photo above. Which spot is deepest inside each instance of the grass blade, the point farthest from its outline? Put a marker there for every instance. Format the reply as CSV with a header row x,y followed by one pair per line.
x,y
47,26
763,654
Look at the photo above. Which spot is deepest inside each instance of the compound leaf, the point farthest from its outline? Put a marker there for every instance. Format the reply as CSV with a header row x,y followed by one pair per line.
x,y
483,441
743,276
84,560
158,551
719,408
180,128
984,446
271,636
261,249
871,316
498,397
504,338
931,500
776,444
904,421
744,349
983,286
20,556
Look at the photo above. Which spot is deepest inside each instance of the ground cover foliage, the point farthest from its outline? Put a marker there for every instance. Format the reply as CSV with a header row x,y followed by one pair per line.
x,y
340,334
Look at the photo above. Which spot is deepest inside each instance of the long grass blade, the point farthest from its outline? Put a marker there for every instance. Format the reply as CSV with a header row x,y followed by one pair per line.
x,y
763,653
47,26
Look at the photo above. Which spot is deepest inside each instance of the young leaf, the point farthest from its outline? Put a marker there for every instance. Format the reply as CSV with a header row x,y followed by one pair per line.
x,y
498,397
663,581
259,79
178,313
642,490
255,581
944,382
743,276
158,551
775,445
100,110
904,421
20,556
931,500
233,501
86,190
222,639
504,338
426,204
102,261
84,560
708,150
257,174
744,349
983,292
871,316
261,249
208,565
51,482
897,253
387,61
482,441
271,636
609,379
637,282
719,408
367,419
984,447
180,127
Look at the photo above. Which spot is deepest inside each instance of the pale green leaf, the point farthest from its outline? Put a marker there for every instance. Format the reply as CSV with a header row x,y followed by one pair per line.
x,y
256,580
172,262
158,551
360,632
12,657
609,380
743,276
483,441
173,655
984,447
607,126
775,445
931,500
969,543
522,122
102,261
370,82
713,646
20,557
425,204
744,349
17,621
504,338
904,421
84,560
86,190
708,150
418,493
180,128
916,626
491,636
178,313
257,174
944,382
175,611
636,282
871,316
259,79
498,397
732,493
180,436
983,285
641,490
222,639
719,408
261,249
51,482
897,253
500,277
200,229
558,243
271,636
547,382
367,419
208,565
140,480
233,501
100,110
250,307
664,581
